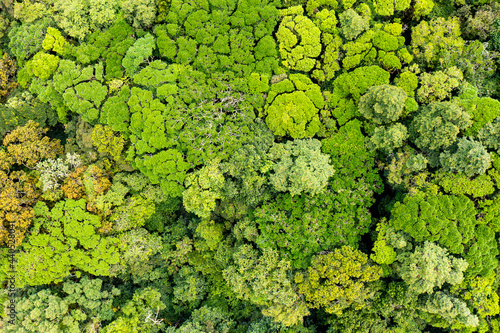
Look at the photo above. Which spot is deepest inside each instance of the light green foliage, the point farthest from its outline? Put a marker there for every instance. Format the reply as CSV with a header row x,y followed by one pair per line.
x,y
382,104
423,8
383,45
80,17
29,12
299,43
322,13
482,110
445,219
86,99
292,107
481,255
140,314
79,307
300,167
386,8
479,65
226,40
137,53
349,87
351,160
438,124
26,40
429,267
44,312
438,85
206,319
338,280
136,246
408,81
352,24
140,14
115,112
108,142
470,158
68,240
417,162
112,44
202,119
204,187
384,246
450,221
166,168
456,184
21,108
389,138
211,232
263,280
42,65
54,41
437,43
479,293
443,310
132,214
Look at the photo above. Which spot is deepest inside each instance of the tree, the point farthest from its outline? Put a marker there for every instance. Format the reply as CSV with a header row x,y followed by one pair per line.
x,y
80,17
382,104
438,124
386,8
389,138
65,235
26,40
459,183
482,110
8,69
23,146
299,42
443,310
139,314
470,158
292,107
108,142
489,134
206,320
203,188
451,222
22,107
438,85
80,306
349,87
263,280
429,267
300,167
54,41
137,53
437,43
338,280
445,219
352,24
141,14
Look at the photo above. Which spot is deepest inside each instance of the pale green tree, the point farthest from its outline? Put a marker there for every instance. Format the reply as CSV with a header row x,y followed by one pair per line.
x,y
300,166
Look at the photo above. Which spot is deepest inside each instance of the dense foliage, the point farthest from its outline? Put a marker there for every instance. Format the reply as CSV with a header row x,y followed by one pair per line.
x,y
249,166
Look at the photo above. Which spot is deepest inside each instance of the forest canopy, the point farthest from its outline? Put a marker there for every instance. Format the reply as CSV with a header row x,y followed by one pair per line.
x,y
249,166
